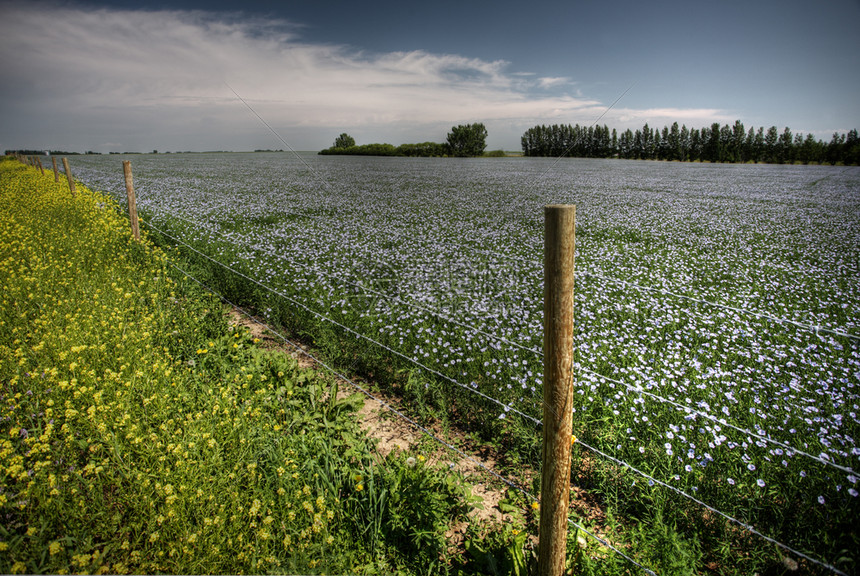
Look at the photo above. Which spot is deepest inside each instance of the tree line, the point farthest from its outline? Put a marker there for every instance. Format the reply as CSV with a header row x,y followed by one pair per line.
x,y
42,152
462,141
715,143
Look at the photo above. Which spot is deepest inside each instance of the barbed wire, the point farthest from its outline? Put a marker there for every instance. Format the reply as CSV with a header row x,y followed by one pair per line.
x,y
508,407
505,480
412,422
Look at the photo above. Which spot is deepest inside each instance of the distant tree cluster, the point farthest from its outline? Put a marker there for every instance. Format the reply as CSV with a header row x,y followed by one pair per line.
x,y
463,140
423,149
42,152
467,140
710,144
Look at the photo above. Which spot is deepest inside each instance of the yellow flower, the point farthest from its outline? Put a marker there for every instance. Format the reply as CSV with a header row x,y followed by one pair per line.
x,y
359,487
572,440
55,548
535,506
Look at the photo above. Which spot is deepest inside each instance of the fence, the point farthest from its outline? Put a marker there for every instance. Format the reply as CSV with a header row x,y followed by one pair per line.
x,y
682,407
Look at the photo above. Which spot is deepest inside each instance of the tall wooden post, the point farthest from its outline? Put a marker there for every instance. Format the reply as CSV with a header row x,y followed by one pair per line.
x,y
132,202
69,175
39,162
559,238
56,172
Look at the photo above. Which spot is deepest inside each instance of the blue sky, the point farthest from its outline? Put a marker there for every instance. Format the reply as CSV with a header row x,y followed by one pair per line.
x,y
137,76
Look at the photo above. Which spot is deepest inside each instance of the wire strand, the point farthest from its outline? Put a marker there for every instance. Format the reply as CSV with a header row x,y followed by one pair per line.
x,y
506,407
413,423
376,293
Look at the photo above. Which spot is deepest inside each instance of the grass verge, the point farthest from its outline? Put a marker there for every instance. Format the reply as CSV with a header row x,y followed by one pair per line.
x,y
139,433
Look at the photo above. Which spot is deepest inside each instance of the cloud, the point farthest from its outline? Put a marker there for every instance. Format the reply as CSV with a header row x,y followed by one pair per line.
x,y
694,117
552,82
163,79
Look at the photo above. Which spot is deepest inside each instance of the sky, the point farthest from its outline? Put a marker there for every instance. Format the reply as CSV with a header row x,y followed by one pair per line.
x,y
146,75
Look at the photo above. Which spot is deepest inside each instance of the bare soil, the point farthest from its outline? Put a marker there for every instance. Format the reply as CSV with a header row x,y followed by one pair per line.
x,y
394,433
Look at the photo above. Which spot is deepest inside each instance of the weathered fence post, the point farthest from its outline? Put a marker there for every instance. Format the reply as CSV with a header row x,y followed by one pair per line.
x,y
132,202
559,238
69,175
56,172
39,162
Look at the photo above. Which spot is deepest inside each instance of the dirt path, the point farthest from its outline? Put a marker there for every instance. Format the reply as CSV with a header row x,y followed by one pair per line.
x,y
394,433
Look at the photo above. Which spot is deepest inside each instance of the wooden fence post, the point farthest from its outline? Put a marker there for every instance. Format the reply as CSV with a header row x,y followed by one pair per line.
x,y
559,239
69,175
56,172
132,202
39,162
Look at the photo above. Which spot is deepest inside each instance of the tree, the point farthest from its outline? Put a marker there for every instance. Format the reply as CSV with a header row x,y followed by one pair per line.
x,y
712,146
812,150
672,141
784,147
696,143
344,141
684,144
770,141
758,145
647,142
725,147
738,140
467,140
851,153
